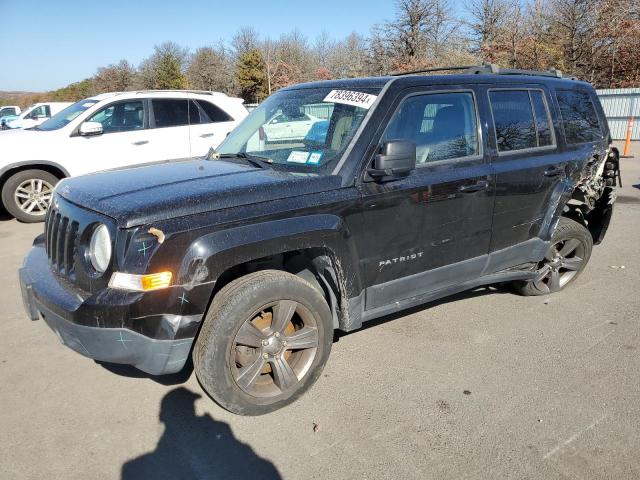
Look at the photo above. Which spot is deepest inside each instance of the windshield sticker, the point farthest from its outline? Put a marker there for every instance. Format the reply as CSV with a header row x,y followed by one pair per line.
x,y
347,97
298,157
314,158
87,105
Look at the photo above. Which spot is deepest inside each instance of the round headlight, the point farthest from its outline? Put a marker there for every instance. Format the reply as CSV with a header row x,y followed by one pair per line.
x,y
100,248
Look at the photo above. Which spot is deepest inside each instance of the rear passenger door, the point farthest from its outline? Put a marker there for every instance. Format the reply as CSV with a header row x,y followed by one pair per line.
x,y
529,169
209,125
431,229
169,128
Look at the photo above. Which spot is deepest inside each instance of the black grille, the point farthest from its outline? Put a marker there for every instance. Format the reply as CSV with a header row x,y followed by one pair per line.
x,y
61,236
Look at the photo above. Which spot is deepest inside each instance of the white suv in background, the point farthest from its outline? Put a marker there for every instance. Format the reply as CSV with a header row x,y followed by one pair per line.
x,y
111,130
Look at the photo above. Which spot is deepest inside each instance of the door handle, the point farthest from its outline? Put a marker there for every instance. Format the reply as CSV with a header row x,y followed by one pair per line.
x,y
554,171
206,135
476,187
141,142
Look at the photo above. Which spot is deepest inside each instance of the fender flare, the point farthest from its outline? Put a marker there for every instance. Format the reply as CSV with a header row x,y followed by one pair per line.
x,y
210,255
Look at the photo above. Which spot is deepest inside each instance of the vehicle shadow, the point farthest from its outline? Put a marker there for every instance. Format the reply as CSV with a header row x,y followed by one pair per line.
x,y
132,372
476,292
196,447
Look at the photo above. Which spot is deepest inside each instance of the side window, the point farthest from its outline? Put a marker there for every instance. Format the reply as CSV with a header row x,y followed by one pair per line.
x,y
170,112
442,125
543,120
213,113
120,117
40,111
513,120
579,117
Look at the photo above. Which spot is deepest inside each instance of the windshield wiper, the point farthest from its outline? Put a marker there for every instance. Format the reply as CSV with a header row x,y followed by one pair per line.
x,y
256,160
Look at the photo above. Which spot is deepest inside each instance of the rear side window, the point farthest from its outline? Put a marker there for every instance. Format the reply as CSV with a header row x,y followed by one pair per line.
x,y
210,113
579,117
170,112
521,119
442,125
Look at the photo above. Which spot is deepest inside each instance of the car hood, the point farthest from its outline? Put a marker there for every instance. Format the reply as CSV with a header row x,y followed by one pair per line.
x,y
151,193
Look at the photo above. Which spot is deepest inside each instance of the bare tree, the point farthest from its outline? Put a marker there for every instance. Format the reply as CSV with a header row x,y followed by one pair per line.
x,y
487,26
118,77
211,68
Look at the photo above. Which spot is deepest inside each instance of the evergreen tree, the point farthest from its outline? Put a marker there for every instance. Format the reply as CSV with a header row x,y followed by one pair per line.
x,y
251,76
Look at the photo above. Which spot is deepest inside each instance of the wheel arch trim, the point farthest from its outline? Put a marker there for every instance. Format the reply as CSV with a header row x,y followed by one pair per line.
x,y
6,170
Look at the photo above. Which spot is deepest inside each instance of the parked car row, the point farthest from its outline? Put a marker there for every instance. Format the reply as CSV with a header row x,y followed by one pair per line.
x,y
32,116
111,130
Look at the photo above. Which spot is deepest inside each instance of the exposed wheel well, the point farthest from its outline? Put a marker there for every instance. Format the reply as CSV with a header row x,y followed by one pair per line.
x,y
52,169
595,218
315,265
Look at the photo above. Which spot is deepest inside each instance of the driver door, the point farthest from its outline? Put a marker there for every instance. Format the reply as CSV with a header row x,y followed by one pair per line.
x,y
431,229
124,141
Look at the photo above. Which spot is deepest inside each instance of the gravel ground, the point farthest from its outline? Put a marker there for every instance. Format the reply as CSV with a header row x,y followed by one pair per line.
x,y
485,384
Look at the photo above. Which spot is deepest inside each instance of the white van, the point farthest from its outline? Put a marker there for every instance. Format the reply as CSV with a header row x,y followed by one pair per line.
x,y
111,130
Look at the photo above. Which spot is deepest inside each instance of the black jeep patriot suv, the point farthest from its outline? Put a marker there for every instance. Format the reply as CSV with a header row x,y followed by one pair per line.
x,y
332,204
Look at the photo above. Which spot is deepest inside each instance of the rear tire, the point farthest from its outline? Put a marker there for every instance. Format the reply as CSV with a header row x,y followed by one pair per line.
x,y
568,255
264,342
26,195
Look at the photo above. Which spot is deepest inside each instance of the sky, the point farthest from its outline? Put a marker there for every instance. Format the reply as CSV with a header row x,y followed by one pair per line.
x,y
48,44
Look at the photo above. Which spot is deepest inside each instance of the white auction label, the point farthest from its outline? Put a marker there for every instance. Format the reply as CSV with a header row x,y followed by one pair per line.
x,y
347,97
298,157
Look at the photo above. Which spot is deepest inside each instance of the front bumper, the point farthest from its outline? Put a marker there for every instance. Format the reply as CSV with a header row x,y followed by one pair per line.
x,y
69,313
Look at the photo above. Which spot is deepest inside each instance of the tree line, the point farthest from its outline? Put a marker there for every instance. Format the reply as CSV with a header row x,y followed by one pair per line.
x,y
594,40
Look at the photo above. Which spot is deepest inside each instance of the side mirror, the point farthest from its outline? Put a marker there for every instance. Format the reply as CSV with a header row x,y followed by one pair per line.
x,y
397,158
88,129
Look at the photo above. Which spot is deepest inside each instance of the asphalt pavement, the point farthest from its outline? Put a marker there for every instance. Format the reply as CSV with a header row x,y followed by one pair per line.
x,y
483,385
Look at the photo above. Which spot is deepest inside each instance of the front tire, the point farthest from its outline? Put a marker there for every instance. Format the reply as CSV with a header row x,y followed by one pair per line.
x,y
27,194
568,255
264,342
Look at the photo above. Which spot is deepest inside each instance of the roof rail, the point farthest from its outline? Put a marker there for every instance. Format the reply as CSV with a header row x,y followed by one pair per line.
x,y
436,69
201,92
493,69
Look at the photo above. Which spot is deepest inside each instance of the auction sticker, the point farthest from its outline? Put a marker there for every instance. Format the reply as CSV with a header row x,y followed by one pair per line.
x,y
314,158
347,97
298,157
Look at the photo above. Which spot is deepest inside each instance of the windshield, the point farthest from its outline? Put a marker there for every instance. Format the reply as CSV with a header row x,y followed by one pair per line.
x,y
63,117
301,130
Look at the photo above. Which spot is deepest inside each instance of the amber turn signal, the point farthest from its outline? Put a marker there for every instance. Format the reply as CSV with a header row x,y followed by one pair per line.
x,y
140,283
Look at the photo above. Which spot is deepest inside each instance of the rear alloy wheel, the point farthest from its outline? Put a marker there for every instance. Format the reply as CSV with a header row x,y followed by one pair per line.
x,y
567,256
27,194
264,342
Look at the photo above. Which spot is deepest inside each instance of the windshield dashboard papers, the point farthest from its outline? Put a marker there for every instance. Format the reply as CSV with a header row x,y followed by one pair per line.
x,y
347,97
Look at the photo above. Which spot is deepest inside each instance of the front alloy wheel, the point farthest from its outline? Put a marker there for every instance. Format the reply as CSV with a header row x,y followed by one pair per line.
x,y
27,194
274,349
264,342
33,196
